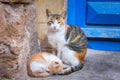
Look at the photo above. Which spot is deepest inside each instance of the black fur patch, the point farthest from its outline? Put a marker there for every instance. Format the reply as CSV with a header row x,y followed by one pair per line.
x,y
78,45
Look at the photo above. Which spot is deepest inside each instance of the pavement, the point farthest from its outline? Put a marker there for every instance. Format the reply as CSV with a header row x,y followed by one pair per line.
x,y
99,65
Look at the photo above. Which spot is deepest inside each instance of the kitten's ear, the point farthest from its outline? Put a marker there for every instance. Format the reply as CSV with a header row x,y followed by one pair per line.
x,y
63,14
56,64
48,13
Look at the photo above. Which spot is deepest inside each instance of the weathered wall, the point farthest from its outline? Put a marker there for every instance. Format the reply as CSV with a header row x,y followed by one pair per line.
x,y
18,38
55,6
18,1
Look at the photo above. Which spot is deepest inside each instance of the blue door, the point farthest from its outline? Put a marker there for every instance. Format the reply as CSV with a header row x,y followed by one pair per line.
x,y
99,19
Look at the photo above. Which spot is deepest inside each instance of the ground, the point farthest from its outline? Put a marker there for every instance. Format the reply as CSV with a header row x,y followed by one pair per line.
x,y
99,65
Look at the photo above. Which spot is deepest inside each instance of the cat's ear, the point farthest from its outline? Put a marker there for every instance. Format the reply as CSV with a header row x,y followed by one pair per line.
x,y
48,13
56,64
63,14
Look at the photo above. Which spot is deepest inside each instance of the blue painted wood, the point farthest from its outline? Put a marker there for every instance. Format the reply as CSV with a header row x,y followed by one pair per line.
x,y
80,12
76,12
104,0
103,13
104,45
111,33
100,37
71,12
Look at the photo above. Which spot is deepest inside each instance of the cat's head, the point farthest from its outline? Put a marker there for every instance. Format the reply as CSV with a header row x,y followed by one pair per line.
x,y
56,67
55,22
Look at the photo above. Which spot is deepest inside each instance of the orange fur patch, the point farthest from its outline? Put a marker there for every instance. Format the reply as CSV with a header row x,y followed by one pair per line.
x,y
33,58
81,56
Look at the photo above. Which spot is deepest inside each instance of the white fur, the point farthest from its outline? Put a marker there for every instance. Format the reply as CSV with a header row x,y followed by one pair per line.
x,y
57,40
68,56
55,24
50,58
36,66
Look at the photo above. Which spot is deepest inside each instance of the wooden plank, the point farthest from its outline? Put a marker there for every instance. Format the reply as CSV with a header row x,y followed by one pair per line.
x,y
102,32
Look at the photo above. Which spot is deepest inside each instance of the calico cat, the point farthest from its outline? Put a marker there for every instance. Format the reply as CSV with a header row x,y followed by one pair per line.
x,y
69,41
43,64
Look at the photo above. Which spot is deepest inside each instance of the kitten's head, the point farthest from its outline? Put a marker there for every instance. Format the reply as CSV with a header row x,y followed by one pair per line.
x,y
55,67
55,22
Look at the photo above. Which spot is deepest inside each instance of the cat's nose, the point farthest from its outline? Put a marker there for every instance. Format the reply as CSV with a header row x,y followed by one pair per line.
x,y
54,27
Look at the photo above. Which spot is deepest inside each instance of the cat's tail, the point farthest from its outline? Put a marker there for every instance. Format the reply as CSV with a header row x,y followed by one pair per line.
x,y
71,69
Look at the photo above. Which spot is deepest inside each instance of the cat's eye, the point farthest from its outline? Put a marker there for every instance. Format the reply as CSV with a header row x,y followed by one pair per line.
x,y
50,22
58,22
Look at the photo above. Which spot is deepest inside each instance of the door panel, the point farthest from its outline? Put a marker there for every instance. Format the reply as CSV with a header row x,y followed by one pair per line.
x,y
103,13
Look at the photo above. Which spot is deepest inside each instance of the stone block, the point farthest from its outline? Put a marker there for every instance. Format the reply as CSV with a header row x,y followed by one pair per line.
x,y
18,39
17,1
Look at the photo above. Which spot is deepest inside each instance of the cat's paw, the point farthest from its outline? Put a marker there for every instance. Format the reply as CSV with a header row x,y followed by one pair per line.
x,y
61,73
65,66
